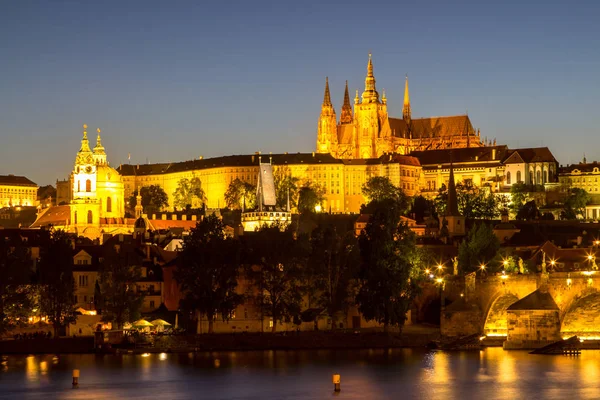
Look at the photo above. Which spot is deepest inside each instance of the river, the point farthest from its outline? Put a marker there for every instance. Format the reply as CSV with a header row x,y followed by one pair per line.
x,y
365,374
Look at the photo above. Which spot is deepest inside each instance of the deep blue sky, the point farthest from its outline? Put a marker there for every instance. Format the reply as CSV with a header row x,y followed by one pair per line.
x,y
173,80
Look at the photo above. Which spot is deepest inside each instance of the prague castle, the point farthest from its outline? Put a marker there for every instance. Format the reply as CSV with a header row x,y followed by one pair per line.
x,y
369,132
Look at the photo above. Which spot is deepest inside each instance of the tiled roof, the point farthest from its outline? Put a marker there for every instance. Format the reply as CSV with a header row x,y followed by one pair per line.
x,y
56,216
587,167
433,127
16,181
461,155
529,155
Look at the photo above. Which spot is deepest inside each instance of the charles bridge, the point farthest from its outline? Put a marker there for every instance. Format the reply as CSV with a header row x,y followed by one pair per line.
x,y
547,306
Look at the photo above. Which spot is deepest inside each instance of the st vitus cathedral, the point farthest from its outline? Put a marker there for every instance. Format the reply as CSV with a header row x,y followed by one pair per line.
x,y
368,131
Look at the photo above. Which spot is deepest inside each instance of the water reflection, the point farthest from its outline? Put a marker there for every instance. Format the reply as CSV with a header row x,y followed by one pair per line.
x,y
378,374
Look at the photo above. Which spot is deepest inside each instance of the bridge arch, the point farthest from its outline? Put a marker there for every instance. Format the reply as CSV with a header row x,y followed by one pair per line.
x,y
582,316
495,323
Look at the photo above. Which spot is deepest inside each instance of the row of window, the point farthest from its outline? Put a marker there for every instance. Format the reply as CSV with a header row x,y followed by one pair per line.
x,y
90,217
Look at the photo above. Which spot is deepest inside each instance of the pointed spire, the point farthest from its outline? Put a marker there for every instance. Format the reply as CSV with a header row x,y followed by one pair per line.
x,y
356,99
99,149
383,98
85,143
406,112
327,97
370,94
452,206
346,116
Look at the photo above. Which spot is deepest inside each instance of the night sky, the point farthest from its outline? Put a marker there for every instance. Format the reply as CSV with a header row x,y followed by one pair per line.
x,y
175,80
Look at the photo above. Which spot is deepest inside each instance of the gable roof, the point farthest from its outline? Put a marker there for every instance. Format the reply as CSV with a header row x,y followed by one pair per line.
x,y
530,155
535,301
461,155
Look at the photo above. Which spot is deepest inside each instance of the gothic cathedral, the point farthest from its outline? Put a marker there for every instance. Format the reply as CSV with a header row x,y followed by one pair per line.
x,y
369,132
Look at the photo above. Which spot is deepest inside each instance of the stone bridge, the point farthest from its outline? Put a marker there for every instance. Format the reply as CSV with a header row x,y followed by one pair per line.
x,y
479,305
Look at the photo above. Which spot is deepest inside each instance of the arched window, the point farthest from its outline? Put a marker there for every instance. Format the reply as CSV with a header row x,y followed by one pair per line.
x,y
90,217
545,176
79,186
538,178
88,185
518,176
531,177
75,218
508,178
108,204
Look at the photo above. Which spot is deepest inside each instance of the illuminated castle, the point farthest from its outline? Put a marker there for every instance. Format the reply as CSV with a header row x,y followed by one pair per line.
x,y
369,132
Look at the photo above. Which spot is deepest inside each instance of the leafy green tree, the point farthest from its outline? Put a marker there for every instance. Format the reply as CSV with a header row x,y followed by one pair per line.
x,y
575,202
441,200
276,261
208,271
389,267
309,197
239,193
422,207
57,294
333,264
480,247
528,212
380,188
473,202
154,199
15,278
189,194
518,196
285,184
120,270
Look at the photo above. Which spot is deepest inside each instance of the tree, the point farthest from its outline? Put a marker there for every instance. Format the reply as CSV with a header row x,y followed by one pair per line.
x,y
528,212
154,199
189,193
518,197
480,247
57,295
286,186
380,188
15,278
575,202
473,202
309,197
276,262
441,200
389,273
208,271
240,194
120,270
422,207
333,263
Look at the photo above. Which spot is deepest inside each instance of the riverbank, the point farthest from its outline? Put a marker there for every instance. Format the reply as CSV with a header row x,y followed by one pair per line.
x,y
411,337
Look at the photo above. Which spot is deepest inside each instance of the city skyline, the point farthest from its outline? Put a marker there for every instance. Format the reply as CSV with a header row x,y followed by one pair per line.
x,y
217,82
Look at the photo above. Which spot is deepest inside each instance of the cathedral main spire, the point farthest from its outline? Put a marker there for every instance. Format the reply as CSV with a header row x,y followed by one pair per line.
x,y
406,108
370,94
346,116
327,96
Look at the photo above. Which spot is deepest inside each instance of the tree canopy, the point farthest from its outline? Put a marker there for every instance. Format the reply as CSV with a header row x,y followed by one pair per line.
x,y
286,186
381,188
154,199
208,271
574,204
240,195
473,202
309,197
189,194
480,247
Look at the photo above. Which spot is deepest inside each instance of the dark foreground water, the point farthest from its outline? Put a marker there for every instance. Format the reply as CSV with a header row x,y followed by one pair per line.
x,y
366,374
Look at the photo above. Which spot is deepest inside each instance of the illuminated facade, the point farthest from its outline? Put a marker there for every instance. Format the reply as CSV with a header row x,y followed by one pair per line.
x,y
97,202
341,180
369,132
584,176
17,191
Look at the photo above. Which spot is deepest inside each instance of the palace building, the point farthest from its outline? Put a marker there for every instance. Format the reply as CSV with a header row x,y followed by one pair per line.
x,y
368,131
17,191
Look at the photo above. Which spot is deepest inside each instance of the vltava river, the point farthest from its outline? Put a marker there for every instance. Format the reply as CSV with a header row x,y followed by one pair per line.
x,y
365,374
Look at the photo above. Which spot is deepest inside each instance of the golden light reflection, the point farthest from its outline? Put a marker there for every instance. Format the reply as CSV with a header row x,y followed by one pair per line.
x,y
31,369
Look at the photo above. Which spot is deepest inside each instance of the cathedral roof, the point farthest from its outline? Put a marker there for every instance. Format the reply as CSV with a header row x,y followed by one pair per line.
x,y
14,180
433,127
461,155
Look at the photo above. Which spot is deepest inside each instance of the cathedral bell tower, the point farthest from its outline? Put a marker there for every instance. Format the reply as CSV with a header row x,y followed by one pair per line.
x,y
369,115
84,172
327,131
